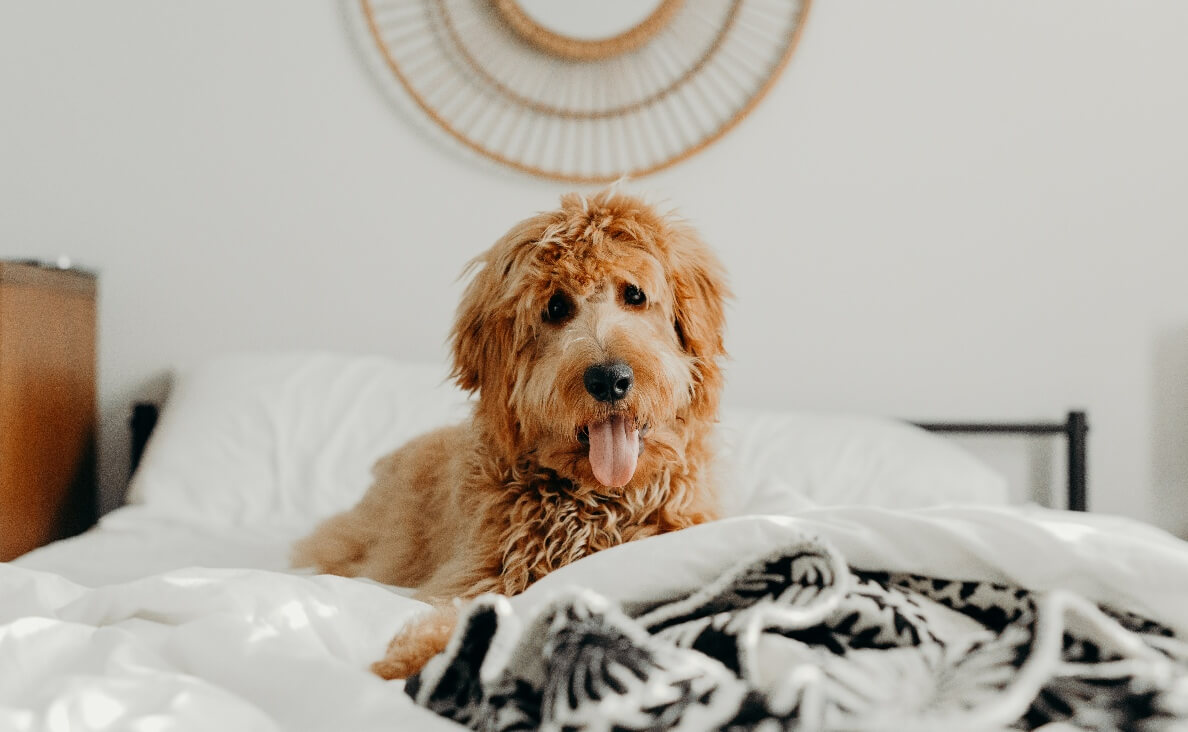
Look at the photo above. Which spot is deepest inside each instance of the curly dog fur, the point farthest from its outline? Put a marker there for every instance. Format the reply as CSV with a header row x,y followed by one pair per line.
x,y
551,467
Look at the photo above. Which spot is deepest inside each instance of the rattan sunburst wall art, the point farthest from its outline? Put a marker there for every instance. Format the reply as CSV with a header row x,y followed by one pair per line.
x,y
583,90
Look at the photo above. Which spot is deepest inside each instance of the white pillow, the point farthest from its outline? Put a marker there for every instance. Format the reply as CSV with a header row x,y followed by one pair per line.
x,y
781,462
291,436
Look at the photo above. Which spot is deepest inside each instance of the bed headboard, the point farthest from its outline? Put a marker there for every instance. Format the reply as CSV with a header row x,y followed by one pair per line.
x,y
1075,429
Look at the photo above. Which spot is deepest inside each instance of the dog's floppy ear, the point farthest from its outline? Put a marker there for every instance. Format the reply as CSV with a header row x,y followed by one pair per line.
x,y
487,336
484,334
482,346
473,337
699,292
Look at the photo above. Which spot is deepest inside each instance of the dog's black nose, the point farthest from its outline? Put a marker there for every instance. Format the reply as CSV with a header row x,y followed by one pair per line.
x,y
608,382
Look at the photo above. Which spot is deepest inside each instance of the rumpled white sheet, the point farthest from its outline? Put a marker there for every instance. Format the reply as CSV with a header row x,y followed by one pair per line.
x,y
200,649
255,649
141,541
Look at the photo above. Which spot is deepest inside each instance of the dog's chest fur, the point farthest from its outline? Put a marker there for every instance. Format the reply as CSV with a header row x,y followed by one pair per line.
x,y
551,522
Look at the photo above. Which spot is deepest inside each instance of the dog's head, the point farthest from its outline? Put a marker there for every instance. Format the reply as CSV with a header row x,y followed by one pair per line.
x,y
593,335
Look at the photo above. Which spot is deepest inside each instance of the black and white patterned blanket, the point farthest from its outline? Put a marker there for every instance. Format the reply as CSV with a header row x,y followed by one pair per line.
x,y
797,639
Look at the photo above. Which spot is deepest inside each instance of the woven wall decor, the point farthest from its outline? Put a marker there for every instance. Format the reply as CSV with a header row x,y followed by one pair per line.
x,y
591,104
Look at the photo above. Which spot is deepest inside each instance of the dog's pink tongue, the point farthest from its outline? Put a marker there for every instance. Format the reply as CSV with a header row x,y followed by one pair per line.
x,y
614,451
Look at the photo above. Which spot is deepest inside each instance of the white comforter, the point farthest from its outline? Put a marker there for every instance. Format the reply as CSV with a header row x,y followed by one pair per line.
x,y
236,649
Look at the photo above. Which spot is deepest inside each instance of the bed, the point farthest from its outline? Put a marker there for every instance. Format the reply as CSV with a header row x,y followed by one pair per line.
x,y
869,575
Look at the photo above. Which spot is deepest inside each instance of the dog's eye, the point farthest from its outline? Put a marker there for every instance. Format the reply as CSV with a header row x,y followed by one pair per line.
x,y
558,308
632,295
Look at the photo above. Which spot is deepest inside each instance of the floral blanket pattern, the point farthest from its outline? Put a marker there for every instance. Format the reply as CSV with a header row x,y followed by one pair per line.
x,y
798,639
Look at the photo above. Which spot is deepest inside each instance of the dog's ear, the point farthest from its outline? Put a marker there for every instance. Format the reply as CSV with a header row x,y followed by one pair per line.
x,y
700,293
471,339
486,332
482,348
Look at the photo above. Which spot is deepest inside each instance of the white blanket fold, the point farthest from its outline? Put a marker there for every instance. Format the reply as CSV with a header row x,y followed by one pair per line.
x,y
250,649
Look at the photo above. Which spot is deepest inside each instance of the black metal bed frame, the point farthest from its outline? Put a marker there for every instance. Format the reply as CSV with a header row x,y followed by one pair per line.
x,y
1075,429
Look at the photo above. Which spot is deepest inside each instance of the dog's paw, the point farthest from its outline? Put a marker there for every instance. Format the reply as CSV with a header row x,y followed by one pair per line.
x,y
397,668
416,643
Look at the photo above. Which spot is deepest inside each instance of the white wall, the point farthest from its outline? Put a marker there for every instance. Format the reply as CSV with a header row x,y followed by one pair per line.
x,y
944,210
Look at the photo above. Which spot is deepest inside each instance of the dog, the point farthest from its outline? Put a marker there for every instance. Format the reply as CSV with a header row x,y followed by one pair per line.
x,y
593,337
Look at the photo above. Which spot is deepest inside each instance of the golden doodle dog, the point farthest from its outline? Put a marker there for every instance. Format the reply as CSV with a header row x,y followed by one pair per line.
x,y
592,335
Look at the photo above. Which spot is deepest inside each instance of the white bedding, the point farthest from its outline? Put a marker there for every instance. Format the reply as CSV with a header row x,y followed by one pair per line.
x,y
258,649
179,612
134,542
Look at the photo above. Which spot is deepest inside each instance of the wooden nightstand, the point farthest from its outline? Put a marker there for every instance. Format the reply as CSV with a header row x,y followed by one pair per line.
x,y
47,405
